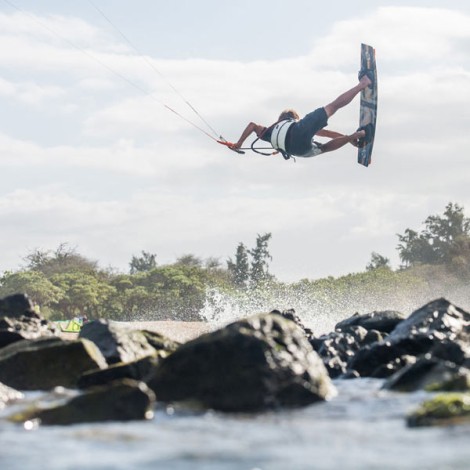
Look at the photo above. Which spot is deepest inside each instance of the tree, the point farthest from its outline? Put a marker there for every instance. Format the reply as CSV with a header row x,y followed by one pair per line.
x,y
144,263
377,261
84,294
445,232
189,260
240,268
176,291
414,248
40,290
439,242
259,272
64,259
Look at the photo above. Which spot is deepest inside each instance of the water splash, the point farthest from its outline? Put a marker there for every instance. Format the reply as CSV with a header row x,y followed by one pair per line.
x,y
221,308
320,310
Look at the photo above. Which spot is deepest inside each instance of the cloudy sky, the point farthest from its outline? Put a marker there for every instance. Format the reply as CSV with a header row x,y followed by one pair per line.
x,y
90,156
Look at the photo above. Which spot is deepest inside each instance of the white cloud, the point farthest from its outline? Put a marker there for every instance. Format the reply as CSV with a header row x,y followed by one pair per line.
x,y
29,92
401,35
55,29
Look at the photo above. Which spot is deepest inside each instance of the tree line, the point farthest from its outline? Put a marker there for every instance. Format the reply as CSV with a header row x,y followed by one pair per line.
x,y
65,284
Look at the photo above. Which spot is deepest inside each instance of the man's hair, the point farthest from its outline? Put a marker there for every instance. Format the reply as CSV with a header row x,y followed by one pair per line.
x,y
289,114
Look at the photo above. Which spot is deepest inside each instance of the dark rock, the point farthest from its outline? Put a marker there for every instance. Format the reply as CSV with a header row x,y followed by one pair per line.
x,y
455,350
428,373
117,343
424,331
337,348
136,370
14,329
47,362
16,306
384,321
126,400
19,320
446,409
292,316
260,362
161,344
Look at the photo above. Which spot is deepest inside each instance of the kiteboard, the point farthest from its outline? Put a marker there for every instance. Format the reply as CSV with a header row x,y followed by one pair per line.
x,y
368,110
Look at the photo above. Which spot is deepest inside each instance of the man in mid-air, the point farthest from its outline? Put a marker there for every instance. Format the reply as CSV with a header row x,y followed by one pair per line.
x,y
293,136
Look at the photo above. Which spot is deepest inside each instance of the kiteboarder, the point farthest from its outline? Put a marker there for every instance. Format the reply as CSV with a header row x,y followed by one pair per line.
x,y
291,135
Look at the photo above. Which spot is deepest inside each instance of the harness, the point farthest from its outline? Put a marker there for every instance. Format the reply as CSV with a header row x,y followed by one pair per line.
x,y
279,133
278,139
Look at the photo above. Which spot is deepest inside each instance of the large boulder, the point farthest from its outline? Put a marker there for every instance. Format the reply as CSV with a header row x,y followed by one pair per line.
x,y
338,347
124,400
17,306
16,329
291,315
19,320
446,409
136,370
260,362
424,331
47,362
431,374
383,321
118,343
162,345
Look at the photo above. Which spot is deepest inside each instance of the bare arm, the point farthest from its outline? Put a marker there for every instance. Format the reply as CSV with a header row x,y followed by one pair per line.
x,y
334,135
250,128
329,134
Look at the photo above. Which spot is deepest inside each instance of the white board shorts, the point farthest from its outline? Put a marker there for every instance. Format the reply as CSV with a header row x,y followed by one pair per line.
x,y
316,150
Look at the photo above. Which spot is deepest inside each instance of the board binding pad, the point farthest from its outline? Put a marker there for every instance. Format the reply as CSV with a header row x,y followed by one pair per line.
x,y
368,109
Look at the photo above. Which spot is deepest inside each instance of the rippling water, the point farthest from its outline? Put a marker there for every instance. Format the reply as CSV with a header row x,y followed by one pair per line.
x,y
363,428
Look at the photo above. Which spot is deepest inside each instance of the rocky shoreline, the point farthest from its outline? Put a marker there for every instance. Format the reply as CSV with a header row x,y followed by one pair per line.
x,y
111,372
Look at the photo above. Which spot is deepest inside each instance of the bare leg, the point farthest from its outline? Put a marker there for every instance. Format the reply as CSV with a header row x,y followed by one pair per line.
x,y
335,144
347,97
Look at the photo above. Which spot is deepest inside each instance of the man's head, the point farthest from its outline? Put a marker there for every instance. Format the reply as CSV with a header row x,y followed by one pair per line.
x,y
289,114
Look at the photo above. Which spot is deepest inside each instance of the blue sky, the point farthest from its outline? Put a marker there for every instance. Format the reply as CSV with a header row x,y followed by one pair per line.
x,y
88,159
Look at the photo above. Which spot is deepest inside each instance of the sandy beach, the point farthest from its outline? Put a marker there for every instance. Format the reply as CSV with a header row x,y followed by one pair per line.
x,y
176,330
181,331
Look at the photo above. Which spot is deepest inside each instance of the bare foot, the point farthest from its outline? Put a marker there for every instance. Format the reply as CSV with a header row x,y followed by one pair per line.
x,y
358,135
354,138
365,81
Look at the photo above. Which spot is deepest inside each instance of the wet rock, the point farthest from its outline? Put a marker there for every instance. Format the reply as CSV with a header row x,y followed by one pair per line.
x,y
337,348
260,362
453,349
126,400
19,320
422,332
47,362
161,344
117,343
136,370
447,409
431,374
457,382
8,394
14,329
17,306
292,316
384,322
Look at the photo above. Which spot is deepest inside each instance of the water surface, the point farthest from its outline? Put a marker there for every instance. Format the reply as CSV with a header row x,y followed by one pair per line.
x,y
362,428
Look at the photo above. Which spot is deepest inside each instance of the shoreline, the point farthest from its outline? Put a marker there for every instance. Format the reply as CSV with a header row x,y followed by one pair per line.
x,y
175,330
